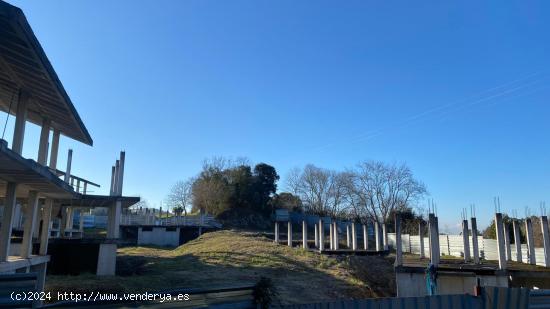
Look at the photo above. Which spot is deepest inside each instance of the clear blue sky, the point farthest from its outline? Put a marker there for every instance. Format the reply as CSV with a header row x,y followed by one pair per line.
x,y
458,91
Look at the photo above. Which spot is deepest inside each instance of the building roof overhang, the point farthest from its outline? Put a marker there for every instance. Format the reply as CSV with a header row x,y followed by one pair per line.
x,y
24,67
30,176
92,201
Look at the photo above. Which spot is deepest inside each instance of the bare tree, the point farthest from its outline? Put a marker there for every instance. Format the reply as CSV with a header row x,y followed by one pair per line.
x,y
180,196
378,189
322,191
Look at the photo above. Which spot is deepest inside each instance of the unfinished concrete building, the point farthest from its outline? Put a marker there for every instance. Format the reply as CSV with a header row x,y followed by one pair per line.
x,y
35,191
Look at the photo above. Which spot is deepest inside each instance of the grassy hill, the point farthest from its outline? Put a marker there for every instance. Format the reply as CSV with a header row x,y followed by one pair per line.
x,y
234,257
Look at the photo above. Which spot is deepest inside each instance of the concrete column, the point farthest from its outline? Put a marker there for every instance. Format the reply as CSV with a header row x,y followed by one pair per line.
x,y
466,240
336,237
120,178
304,235
546,239
421,236
398,242
36,232
348,236
40,270
45,233
475,246
385,236
530,241
81,222
20,122
377,236
30,222
117,174
437,239
365,237
7,219
506,230
500,241
434,240
353,237
321,235
276,232
55,149
517,240
316,236
113,180
70,218
63,222
69,162
113,228
331,236
289,234
43,144
85,189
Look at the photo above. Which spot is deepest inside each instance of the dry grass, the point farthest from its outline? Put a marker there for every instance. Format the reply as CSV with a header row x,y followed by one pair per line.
x,y
230,258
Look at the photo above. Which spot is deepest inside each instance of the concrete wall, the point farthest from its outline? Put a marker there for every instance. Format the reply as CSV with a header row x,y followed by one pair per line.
x,y
159,236
414,284
452,245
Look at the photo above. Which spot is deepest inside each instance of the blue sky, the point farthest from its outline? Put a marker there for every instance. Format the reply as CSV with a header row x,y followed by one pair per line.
x,y
458,91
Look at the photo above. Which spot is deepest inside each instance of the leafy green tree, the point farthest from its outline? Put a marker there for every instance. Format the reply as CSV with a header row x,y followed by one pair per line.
x,y
265,184
223,186
288,201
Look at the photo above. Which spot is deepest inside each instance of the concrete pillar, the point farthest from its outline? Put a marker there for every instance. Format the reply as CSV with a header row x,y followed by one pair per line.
x,y
336,237
546,239
70,218
85,188
421,236
500,241
398,242
304,235
117,174
69,162
434,240
45,233
120,177
36,232
113,226
276,232
7,218
289,234
377,236
466,240
55,149
40,270
316,235
20,122
30,222
63,221
475,246
530,241
348,236
365,237
113,179
81,222
385,236
321,235
43,143
331,236
517,240
506,230
353,237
